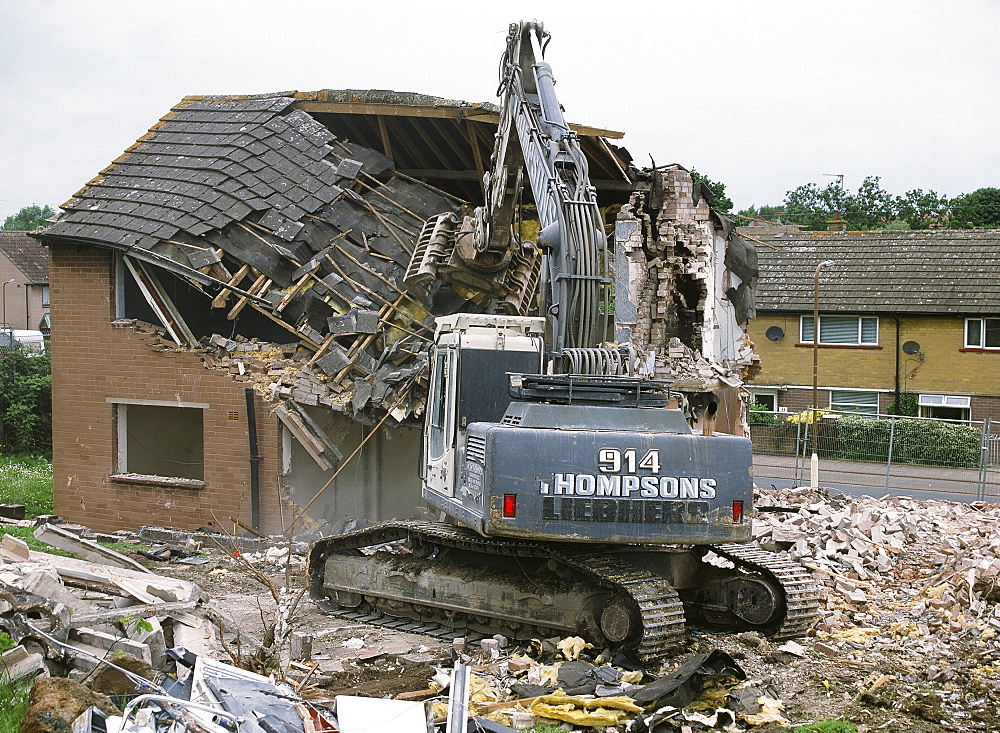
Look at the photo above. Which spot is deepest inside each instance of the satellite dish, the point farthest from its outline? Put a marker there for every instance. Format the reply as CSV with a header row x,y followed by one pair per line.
x,y
911,347
775,333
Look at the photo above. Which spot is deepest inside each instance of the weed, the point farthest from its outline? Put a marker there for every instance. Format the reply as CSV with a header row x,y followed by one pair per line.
x,y
827,726
27,480
13,704
544,728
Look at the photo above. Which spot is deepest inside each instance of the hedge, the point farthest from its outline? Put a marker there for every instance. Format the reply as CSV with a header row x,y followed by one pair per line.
x,y
919,442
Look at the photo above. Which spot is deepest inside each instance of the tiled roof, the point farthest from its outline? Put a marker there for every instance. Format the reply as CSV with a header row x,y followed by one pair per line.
x,y
26,254
211,161
928,271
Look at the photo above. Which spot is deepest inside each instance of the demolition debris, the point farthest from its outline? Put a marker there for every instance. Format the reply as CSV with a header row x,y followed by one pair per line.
x,y
908,638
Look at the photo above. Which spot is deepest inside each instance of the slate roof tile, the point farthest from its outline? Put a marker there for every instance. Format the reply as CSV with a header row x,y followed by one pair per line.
x,y
928,271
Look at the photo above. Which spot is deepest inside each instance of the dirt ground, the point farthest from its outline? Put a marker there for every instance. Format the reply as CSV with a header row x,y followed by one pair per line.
x,y
877,686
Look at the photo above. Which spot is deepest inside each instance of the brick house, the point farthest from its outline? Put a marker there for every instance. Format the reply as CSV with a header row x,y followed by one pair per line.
x,y
233,341
900,311
230,321
24,275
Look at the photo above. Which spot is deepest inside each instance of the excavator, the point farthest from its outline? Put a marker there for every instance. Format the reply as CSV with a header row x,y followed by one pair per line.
x,y
575,497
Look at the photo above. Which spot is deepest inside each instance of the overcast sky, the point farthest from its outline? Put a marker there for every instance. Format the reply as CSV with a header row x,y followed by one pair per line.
x,y
763,96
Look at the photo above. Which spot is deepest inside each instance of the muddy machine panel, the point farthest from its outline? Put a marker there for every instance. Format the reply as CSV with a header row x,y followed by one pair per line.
x,y
607,486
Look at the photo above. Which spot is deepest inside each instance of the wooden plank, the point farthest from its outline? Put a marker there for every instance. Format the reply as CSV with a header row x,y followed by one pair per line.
x,y
220,300
241,303
455,113
384,133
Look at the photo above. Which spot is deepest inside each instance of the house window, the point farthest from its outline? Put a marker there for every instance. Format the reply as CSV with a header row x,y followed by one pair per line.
x,y
160,442
945,407
850,400
982,333
45,296
767,400
857,330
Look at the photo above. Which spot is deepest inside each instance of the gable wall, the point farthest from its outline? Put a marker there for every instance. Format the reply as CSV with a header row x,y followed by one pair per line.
x,y
94,360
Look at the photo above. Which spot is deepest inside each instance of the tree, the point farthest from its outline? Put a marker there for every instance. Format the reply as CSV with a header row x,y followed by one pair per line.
x,y
922,210
29,218
870,208
767,214
812,207
719,201
981,208
26,401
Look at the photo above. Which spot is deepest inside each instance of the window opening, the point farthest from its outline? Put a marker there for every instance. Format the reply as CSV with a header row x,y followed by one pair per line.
x,y
982,333
848,400
166,442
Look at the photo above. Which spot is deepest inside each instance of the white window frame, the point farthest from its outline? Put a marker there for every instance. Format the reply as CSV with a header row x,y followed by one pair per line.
x,y
772,393
981,335
45,296
859,336
854,406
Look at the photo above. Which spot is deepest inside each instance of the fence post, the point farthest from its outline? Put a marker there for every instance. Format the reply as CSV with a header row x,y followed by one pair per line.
x,y
800,451
984,458
888,460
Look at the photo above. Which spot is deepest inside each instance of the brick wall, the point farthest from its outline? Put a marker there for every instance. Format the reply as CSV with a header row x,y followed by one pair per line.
x,y
944,368
94,361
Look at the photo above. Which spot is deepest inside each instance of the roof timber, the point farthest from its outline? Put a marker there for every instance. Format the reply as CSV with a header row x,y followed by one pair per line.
x,y
471,113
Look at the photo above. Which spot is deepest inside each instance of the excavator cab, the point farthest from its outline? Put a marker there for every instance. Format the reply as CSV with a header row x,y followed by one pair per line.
x,y
471,357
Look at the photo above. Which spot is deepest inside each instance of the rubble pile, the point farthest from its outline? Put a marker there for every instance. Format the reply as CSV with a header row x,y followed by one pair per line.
x,y
912,584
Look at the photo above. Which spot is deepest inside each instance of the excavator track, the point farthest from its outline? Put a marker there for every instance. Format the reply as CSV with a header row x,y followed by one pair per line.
x,y
801,591
646,616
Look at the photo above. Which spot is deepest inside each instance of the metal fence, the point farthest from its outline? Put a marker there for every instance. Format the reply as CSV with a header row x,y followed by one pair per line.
x,y
880,453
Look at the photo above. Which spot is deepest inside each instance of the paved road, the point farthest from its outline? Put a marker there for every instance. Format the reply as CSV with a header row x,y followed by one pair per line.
x,y
858,478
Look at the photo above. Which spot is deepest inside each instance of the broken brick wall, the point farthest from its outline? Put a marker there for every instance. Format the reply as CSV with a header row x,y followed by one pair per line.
x,y
672,299
95,363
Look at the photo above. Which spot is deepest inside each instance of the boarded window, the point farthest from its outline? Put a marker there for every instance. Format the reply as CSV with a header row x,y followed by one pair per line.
x,y
154,440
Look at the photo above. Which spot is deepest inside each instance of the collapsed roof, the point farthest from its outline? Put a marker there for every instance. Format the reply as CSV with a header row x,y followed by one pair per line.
x,y
289,233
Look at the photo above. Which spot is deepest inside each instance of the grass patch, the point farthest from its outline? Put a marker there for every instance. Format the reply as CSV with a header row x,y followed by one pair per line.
x,y
27,480
25,533
13,704
827,726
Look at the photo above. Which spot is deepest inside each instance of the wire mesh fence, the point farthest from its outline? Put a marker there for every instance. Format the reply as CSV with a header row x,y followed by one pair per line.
x,y
879,452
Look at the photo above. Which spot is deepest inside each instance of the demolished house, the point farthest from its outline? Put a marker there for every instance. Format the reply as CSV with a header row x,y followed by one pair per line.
x,y
236,338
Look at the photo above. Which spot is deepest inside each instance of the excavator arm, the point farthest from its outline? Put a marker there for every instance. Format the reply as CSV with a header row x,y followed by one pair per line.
x,y
572,234
569,278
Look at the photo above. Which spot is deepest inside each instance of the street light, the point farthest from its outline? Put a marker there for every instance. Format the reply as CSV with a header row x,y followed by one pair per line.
x,y
814,463
4,289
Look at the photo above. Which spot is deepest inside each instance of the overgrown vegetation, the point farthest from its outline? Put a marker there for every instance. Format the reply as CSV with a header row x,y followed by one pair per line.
x,y
908,405
13,695
26,480
13,704
26,402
